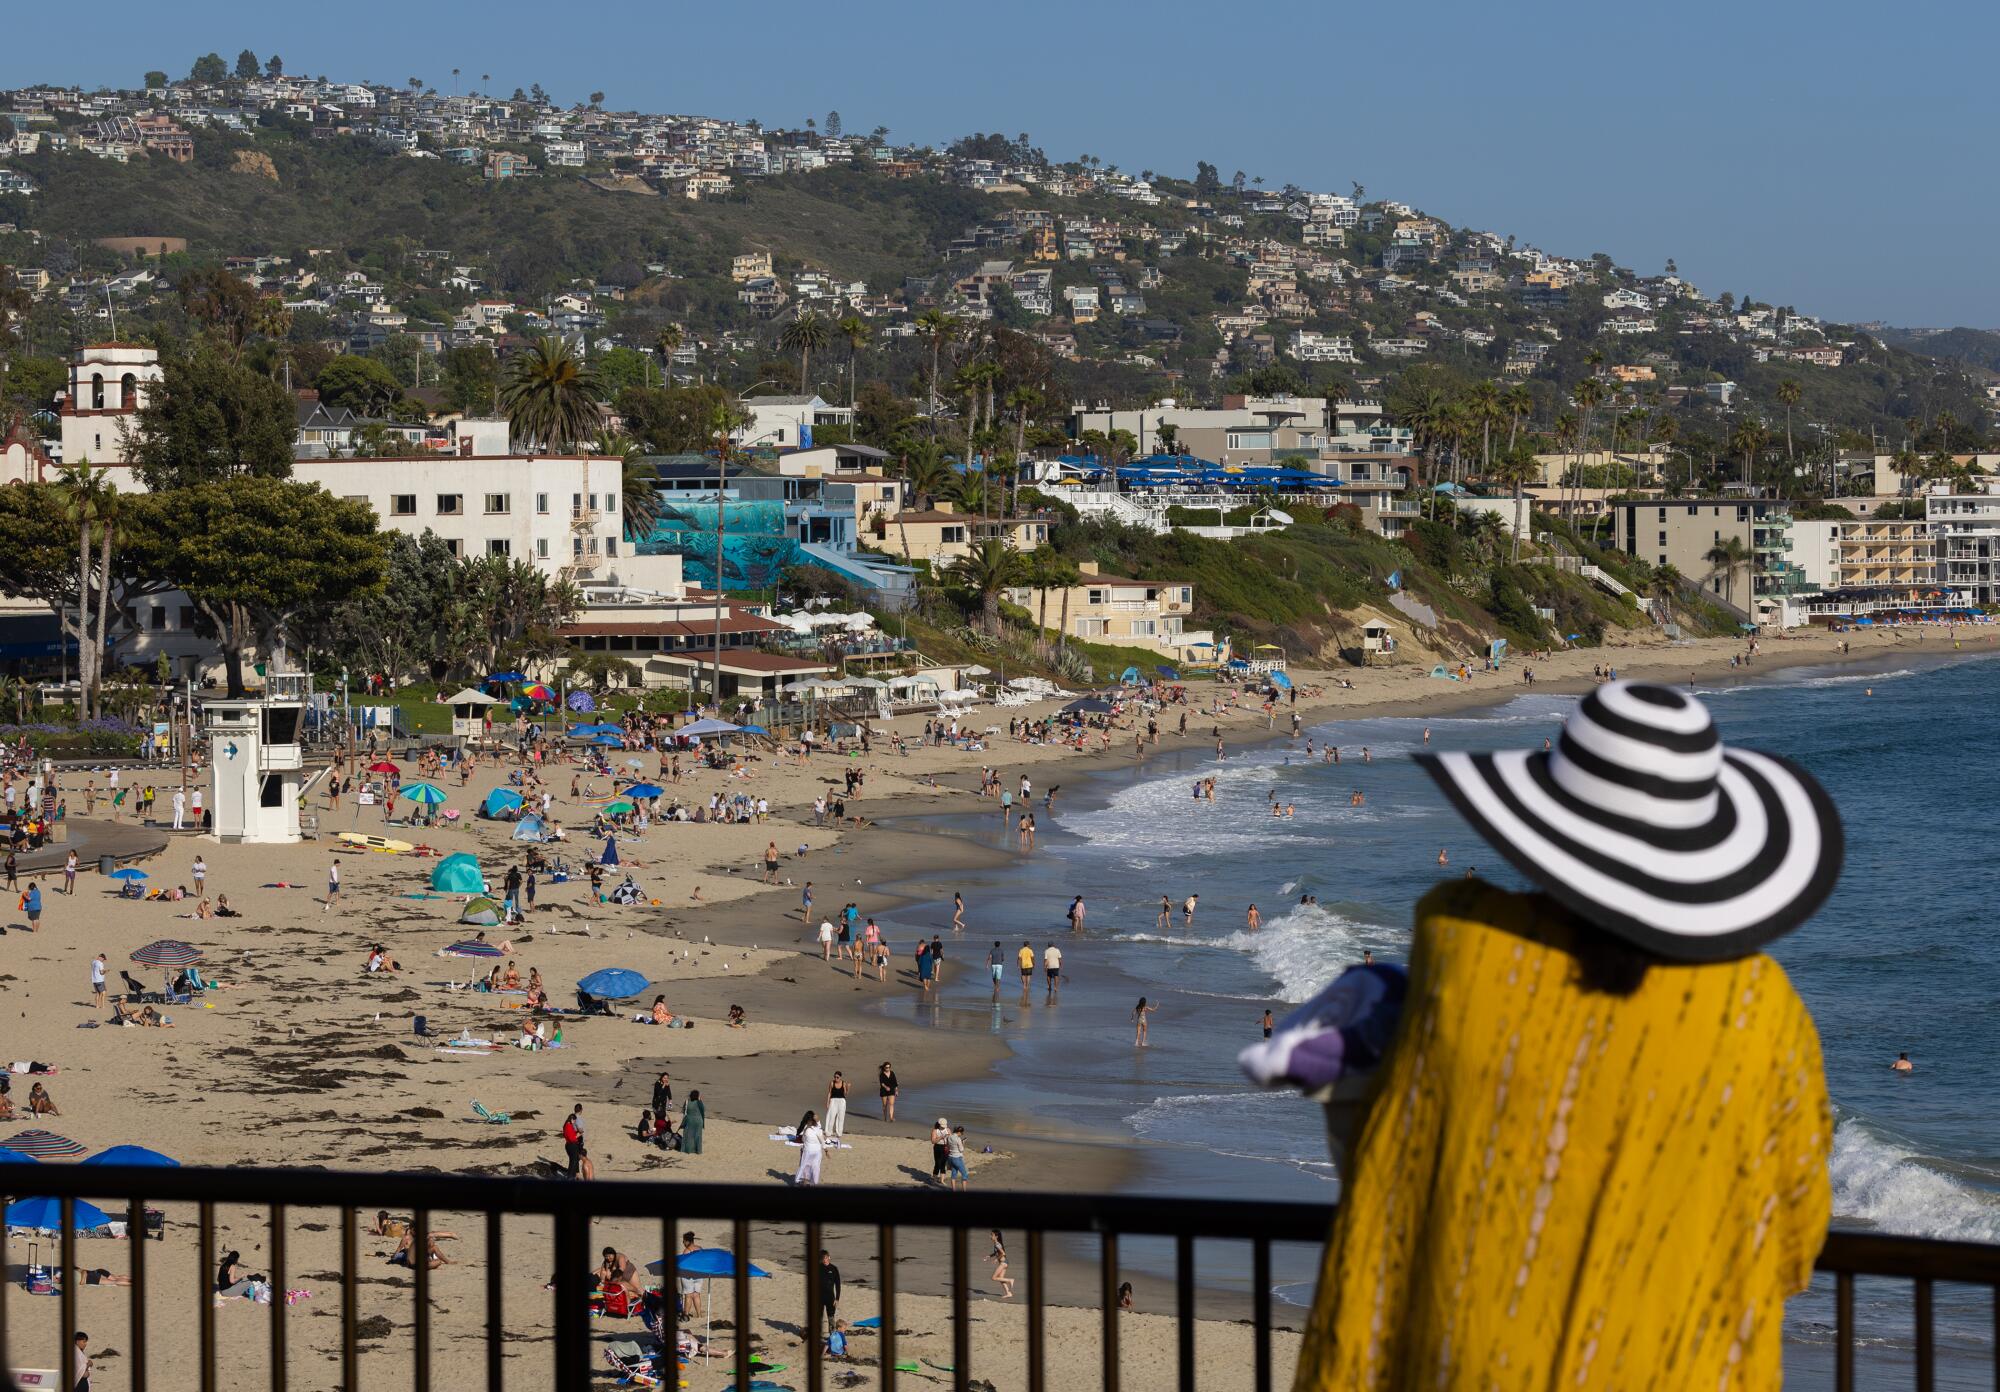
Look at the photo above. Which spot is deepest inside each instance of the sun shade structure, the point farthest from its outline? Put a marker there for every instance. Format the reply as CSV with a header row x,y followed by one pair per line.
x,y
644,790
469,697
501,800
458,874
711,727
41,1144
168,952
128,872
47,1213
471,947
132,1155
429,794
530,829
613,983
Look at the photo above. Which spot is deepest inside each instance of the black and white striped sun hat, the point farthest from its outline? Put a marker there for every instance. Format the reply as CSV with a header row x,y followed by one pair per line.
x,y
1642,823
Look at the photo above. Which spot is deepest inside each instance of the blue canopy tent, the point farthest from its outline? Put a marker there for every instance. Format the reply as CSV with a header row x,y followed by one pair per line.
x,y
458,873
708,727
501,800
1167,672
609,741
530,829
1281,681
1129,677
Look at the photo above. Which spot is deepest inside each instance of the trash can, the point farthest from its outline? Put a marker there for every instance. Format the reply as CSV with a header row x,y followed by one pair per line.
x,y
106,864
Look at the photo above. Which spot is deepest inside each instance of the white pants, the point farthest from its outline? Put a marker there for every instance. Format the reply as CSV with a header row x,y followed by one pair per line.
x,y
836,1117
178,814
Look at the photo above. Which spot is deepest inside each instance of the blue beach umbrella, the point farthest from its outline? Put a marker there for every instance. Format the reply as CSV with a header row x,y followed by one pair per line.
x,y
613,983
582,701
610,741
427,793
501,800
14,1157
128,872
503,677
47,1213
132,1155
644,790
707,1261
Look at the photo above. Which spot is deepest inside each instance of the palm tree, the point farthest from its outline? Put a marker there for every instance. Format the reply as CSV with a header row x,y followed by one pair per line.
x,y
1788,392
1519,403
638,492
1514,469
1484,410
668,342
857,332
991,567
1062,573
87,501
807,332
1725,558
1749,439
925,468
1667,582
550,396
1022,402
1587,394
1424,407
938,327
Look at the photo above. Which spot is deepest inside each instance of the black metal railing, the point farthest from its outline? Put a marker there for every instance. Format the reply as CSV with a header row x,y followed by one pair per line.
x,y
1083,1221
573,1206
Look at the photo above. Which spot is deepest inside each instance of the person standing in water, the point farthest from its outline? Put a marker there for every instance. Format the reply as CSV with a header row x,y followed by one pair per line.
x,y
1139,1014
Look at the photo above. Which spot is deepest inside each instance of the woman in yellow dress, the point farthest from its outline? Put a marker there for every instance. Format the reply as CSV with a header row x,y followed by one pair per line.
x,y
1595,1154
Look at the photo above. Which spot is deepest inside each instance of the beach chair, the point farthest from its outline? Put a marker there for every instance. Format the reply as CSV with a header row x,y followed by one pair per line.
x,y
491,1118
633,1364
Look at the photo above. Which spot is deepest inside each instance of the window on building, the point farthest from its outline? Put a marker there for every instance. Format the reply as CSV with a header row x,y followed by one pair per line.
x,y
611,502
452,546
403,505
499,502
1089,628
1663,538
159,618
611,546
1143,628
542,547
1663,514
1094,597
186,624
97,391
542,503
576,548
450,504
499,546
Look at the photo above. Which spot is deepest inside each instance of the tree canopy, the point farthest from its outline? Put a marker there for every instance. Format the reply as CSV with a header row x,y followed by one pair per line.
x,y
212,418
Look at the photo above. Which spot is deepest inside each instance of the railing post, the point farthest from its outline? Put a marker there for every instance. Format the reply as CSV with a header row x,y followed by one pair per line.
x,y
279,1372
572,1297
1260,1312
961,1314
741,1288
1843,1332
206,1310
815,1313
670,1306
350,1299
886,1264
1184,1308
1108,1291
66,1277
495,1307
1037,1325
420,1267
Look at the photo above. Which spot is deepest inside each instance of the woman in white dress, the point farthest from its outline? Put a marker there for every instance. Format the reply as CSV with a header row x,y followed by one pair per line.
x,y
812,1149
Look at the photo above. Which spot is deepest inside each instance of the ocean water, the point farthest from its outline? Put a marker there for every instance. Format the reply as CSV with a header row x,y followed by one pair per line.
x,y
1901,958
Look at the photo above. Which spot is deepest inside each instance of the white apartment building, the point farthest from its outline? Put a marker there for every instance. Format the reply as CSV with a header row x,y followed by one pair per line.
x,y
1965,529
1309,346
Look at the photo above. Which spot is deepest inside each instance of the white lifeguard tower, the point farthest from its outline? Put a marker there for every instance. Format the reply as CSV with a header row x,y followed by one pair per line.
x,y
469,710
255,761
1376,640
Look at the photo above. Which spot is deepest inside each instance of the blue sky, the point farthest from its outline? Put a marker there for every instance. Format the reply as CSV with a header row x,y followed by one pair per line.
x,y
1831,156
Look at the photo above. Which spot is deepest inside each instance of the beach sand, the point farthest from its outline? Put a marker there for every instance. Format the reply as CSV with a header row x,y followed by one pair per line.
x,y
307,1060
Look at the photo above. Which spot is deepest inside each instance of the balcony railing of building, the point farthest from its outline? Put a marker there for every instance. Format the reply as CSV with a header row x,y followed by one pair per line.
x,y
771,1225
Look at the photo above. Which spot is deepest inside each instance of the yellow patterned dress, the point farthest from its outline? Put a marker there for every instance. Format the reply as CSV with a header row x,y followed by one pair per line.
x,y
1560,1188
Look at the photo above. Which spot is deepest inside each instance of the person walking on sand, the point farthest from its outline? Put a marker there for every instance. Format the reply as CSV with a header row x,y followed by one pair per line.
x,y
694,1116
99,967
957,912
1025,959
997,1254
180,808
826,940
771,863
940,1148
332,885
836,1107
69,873
1052,970
1076,913
886,1088
996,966
1139,1014
573,1146
937,960
954,1159
200,872
32,904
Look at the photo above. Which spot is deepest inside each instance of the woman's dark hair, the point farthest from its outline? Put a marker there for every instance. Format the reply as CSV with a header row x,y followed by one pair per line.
x,y
1608,964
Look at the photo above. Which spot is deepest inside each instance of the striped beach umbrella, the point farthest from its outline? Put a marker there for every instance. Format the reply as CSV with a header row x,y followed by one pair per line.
x,y
471,947
168,952
538,692
618,808
41,1144
427,793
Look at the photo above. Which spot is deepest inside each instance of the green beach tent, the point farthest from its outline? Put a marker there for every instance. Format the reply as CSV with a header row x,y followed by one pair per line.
x,y
481,913
458,874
